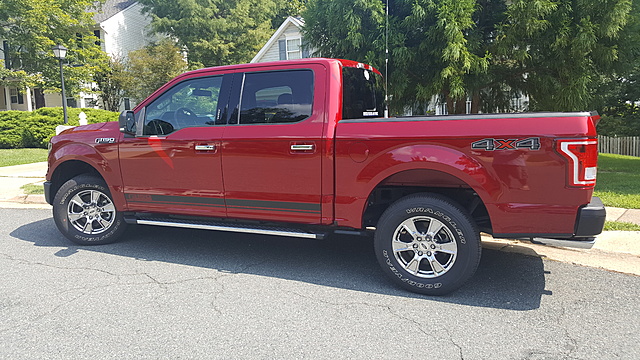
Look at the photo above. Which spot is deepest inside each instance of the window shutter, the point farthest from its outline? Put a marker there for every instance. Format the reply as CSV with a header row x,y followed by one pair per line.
x,y
282,47
305,49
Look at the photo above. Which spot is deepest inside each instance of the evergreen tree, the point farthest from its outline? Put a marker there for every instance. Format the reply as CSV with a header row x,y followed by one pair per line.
x,y
559,52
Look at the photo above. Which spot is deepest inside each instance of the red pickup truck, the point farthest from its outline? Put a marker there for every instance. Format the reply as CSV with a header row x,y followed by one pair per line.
x,y
301,148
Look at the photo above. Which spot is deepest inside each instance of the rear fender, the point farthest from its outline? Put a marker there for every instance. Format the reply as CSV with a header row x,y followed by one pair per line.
x,y
432,157
461,171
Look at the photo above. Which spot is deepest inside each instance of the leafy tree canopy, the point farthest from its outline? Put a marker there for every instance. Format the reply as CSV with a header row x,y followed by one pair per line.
x,y
152,67
214,32
33,27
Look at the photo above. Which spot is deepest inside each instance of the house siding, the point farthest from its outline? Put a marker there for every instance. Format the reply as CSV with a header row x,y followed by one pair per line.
x,y
291,31
125,31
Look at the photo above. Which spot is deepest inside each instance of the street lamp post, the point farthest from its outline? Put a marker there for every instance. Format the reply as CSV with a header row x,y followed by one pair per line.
x,y
60,52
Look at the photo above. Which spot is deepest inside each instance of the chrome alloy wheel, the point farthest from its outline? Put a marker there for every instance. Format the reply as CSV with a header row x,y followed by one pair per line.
x,y
91,212
424,247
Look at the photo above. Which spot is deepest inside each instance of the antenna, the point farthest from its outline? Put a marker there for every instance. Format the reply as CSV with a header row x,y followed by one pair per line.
x,y
386,62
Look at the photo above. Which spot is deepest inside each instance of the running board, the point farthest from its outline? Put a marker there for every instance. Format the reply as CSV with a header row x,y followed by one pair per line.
x,y
239,228
579,244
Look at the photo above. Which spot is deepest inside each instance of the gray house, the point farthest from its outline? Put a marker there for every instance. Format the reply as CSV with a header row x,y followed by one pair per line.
x,y
285,44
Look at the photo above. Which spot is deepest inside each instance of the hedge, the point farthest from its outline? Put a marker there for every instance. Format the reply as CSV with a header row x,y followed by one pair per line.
x,y
23,129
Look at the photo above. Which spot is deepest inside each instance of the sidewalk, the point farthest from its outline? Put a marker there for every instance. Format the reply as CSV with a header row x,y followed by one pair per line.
x,y
12,178
614,250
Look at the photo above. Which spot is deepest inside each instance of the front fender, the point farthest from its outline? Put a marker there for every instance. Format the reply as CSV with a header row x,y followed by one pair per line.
x,y
66,156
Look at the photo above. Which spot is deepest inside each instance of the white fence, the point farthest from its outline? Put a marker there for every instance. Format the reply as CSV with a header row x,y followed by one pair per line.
x,y
626,145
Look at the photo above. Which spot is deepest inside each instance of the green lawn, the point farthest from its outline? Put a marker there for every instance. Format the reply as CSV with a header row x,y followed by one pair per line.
x,y
618,182
620,226
22,156
30,189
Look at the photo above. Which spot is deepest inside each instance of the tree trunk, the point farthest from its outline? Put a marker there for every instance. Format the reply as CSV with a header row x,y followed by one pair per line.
x,y
476,102
39,97
461,106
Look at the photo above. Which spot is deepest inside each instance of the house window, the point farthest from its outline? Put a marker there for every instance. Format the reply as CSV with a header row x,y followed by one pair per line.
x,y
96,33
16,96
293,49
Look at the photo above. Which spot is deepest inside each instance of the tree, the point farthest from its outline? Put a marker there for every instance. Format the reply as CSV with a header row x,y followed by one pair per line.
x,y
562,50
112,81
153,66
286,8
428,41
33,27
559,52
214,32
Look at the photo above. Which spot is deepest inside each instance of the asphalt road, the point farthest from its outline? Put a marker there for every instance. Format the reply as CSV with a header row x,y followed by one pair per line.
x,y
175,293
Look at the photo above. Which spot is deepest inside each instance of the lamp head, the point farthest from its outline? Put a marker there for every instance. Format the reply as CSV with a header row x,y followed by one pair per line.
x,y
60,52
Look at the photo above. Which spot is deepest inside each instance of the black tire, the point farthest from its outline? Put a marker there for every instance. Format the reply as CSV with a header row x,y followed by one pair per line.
x,y
84,212
442,253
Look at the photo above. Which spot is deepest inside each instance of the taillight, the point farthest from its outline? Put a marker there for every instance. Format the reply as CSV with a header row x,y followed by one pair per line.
x,y
583,160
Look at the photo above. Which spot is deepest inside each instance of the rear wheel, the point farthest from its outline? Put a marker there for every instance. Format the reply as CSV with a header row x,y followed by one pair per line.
x,y
427,244
84,212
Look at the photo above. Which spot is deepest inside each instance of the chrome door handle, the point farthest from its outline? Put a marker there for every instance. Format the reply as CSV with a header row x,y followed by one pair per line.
x,y
205,147
302,147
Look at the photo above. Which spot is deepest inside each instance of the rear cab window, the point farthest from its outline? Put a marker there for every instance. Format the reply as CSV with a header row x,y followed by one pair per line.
x,y
362,93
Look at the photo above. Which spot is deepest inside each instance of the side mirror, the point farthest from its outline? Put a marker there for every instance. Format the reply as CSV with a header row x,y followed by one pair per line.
x,y
127,122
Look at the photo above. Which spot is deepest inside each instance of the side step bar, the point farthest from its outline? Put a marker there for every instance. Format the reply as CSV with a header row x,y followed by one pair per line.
x,y
579,244
239,228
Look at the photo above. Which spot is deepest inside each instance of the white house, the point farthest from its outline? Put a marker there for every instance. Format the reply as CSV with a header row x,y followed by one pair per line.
x,y
285,44
121,27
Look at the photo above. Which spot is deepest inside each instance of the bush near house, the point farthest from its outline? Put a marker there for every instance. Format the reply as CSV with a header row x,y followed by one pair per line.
x,y
21,129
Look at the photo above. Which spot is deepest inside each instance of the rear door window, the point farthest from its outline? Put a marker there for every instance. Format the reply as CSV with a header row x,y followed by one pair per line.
x,y
276,97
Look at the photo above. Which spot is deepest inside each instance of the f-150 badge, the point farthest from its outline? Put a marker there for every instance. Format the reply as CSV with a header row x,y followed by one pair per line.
x,y
532,143
105,140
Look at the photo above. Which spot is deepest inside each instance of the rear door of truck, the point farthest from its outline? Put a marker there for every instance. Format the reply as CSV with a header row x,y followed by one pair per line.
x,y
272,147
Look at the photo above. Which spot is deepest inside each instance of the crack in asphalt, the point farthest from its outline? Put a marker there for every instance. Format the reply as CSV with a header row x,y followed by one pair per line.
x,y
84,291
391,311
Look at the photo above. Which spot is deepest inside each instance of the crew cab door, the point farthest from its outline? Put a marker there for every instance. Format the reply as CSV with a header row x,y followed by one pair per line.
x,y
272,148
173,164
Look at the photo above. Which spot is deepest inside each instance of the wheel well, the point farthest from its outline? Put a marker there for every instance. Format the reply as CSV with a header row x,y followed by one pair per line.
x,y
68,170
396,187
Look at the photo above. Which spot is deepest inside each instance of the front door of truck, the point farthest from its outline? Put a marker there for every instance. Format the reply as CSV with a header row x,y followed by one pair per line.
x,y
272,149
173,165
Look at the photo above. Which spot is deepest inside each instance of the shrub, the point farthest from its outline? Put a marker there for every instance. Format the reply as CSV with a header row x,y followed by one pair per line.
x,y
20,129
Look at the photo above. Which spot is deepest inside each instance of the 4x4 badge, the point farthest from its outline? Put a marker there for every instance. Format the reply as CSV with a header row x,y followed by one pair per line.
x,y
532,143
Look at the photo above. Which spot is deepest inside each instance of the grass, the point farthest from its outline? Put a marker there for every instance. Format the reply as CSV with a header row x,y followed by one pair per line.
x,y
620,226
31,189
618,182
10,157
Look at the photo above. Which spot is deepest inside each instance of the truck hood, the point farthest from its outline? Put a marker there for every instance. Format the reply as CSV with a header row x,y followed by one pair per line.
x,y
85,128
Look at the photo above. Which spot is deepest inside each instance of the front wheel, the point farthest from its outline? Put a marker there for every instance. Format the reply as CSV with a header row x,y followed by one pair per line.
x,y
427,244
84,212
